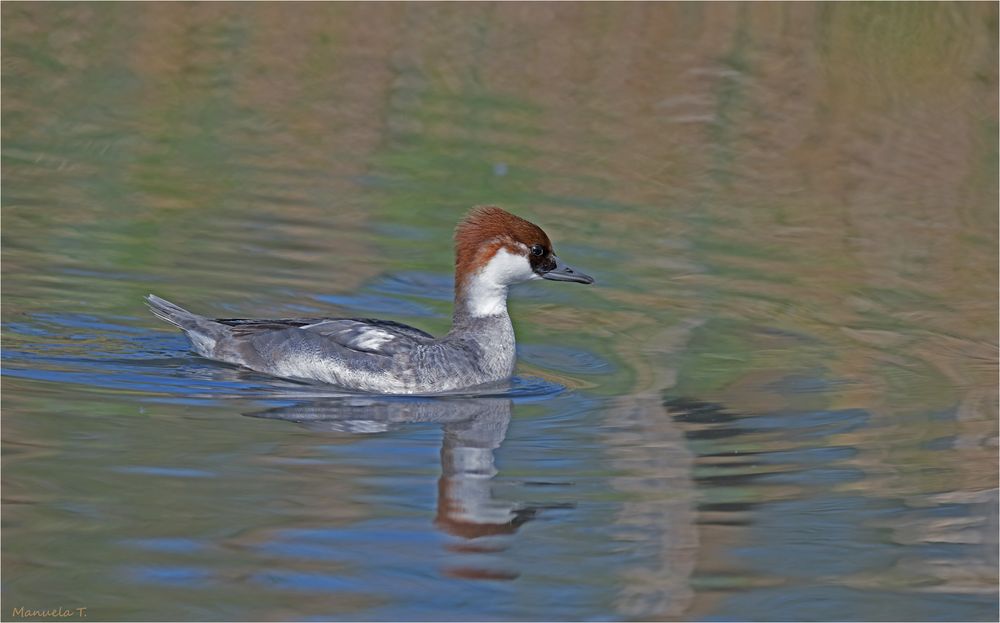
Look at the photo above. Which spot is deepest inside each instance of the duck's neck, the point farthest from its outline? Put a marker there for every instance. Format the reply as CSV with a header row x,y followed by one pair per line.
x,y
479,299
481,320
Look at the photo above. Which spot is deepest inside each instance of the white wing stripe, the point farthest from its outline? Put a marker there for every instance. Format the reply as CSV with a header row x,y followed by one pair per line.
x,y
372,339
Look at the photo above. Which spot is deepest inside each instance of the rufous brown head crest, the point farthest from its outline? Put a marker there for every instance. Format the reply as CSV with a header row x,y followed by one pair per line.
x,y
485,230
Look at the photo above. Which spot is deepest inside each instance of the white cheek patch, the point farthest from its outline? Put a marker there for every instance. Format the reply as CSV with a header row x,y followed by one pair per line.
x,y
506,268
487,290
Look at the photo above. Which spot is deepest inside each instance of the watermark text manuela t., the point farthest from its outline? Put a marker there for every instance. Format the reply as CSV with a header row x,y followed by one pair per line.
x,y
48,613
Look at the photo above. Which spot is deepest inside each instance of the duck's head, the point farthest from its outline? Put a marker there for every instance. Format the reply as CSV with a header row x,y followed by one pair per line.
x,y
495,249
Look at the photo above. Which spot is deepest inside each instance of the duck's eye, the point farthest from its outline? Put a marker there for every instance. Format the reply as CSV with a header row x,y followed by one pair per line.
x,y
537,250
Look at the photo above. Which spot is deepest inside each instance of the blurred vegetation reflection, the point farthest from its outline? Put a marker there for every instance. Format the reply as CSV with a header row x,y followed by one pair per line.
x,y
781,399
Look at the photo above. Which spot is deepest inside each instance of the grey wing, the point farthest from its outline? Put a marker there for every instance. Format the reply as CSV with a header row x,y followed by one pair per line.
x,y
381,337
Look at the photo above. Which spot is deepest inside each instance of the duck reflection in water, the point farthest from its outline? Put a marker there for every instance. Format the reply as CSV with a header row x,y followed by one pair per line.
x,y
474,427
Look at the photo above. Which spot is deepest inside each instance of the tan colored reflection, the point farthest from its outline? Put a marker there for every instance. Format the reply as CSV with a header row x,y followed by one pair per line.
x,y
656,465
827,168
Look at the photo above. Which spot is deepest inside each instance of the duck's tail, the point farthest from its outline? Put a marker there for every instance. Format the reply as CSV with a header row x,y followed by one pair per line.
x,y
204,333
174,314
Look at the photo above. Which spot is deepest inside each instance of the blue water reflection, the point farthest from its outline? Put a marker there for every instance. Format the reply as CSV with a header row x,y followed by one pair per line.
x,y
777,403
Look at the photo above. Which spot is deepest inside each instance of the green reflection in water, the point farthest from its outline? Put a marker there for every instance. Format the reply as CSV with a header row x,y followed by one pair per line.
x,y
804,194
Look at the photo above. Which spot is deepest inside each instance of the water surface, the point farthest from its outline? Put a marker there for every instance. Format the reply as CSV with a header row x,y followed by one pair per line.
x,y
779,402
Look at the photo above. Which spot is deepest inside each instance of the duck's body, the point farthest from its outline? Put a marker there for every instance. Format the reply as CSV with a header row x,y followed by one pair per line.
x,y
360,354
494,250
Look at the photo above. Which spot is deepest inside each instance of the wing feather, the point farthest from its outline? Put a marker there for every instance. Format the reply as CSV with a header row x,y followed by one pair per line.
x,y
381,337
